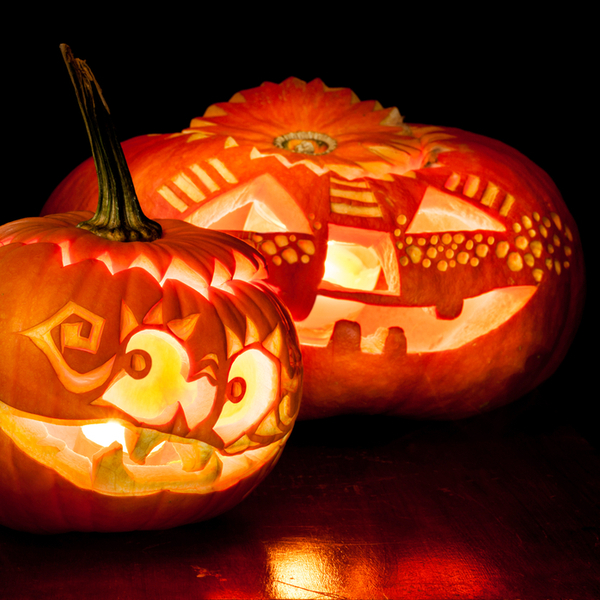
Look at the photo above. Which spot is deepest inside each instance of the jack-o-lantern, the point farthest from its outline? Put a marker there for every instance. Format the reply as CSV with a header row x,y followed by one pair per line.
x,y
430,272
143,384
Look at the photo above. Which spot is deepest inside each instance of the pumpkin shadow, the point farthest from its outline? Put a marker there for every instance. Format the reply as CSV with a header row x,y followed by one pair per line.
x,y
355,431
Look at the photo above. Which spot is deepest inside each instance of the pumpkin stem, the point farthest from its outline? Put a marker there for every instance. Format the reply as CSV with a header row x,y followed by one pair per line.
x,y
119,216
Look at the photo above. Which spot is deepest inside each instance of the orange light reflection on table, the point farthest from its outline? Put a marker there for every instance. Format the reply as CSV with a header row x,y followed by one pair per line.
x,y
308,568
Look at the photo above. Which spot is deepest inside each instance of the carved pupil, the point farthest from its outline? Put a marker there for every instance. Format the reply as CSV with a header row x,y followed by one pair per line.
x,y
236,389
138,362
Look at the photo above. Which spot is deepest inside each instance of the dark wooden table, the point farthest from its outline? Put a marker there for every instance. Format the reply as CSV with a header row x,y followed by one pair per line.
x,y
500,506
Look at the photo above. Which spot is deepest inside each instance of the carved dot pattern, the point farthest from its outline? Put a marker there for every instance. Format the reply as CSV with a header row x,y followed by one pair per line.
x,y
525,251
281,249
448,250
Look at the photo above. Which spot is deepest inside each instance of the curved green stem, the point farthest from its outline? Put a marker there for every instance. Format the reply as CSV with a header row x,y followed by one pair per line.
x,y
119,216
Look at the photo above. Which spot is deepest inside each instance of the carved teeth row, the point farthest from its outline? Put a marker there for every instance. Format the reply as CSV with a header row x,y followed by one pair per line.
x,y
194,455
202,468
110,475
346,339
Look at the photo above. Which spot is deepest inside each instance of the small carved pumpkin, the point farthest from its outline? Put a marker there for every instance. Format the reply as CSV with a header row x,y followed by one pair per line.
x,y
430,272
143,384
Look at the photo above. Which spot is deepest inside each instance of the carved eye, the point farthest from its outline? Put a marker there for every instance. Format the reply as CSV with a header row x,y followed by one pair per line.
x,y
252,391
262,205
440,212
155,397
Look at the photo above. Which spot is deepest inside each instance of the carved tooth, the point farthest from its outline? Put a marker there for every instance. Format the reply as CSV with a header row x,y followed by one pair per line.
x,y
269,426
450,309
345,337
240,445
35,430
291,385
140,443
179,425
234,344
128,321
210,370
183,328
244,462
37,435
220,274
194,456
395,343
155,314
213,469
274,341
237,466
108,473
287,410
252,334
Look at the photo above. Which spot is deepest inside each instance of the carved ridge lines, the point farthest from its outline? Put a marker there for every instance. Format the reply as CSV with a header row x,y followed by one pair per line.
x,y
193,190
492,197
349,200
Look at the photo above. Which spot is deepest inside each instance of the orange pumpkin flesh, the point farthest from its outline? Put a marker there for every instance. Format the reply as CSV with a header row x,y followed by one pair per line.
x,y
143,385
462,281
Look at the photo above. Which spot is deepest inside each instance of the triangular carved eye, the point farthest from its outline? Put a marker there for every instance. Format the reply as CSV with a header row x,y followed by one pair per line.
x,y
442,212
255,216
261,206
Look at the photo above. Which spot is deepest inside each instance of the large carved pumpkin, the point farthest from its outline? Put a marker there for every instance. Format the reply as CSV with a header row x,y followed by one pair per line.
x,y
143,384
430,272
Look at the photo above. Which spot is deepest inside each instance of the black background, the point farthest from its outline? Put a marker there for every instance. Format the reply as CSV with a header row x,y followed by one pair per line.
x,y
527,82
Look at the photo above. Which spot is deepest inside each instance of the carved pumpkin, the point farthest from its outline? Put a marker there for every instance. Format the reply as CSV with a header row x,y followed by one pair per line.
x,y
430,272
143,384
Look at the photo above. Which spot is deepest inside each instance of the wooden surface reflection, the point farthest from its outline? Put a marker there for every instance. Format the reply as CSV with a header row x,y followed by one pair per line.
x,y
499,506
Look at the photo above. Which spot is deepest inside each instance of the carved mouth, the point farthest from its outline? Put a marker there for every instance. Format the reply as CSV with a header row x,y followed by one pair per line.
x,y
424,331
148,462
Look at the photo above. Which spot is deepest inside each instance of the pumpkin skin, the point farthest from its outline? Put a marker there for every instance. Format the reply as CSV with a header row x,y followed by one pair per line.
x,y
470,278
92,346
